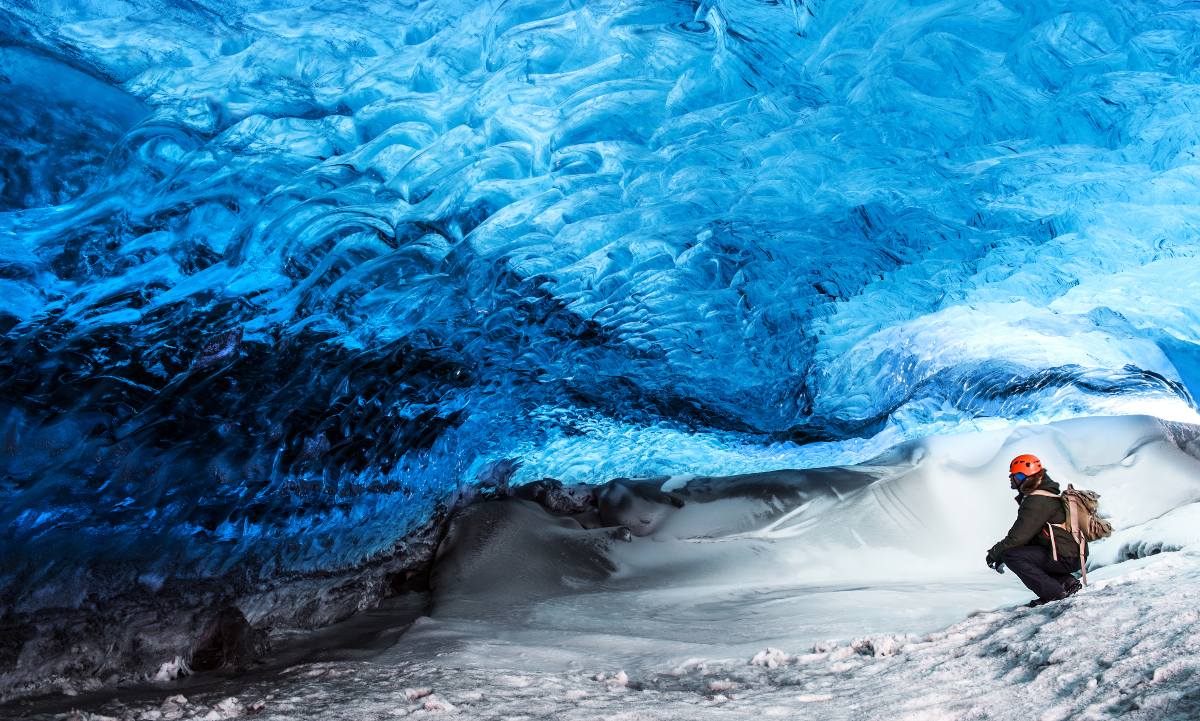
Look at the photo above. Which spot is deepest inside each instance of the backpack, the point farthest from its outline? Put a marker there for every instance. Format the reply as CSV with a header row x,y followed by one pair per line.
x,y
1083,521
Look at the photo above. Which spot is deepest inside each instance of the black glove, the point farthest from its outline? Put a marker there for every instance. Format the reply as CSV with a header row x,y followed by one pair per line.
x,y
995,563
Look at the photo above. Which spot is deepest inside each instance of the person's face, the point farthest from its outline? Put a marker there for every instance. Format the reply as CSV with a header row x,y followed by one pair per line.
x,y
1016,479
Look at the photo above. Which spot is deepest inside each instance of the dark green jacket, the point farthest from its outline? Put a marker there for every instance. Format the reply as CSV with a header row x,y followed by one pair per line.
x,y
1033,513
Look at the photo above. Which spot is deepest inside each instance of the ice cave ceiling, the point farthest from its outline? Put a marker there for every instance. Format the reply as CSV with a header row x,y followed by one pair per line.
x,y
275,278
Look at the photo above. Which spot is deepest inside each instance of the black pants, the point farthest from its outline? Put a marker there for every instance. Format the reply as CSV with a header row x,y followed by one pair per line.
x,y
1038,570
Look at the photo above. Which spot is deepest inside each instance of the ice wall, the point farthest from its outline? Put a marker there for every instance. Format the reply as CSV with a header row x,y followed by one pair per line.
x,y
274,280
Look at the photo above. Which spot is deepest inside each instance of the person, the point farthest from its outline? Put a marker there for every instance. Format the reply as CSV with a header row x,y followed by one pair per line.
x,y
1028,549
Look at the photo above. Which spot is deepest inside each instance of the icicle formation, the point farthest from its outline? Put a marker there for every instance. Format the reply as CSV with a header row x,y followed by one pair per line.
x,y
274,279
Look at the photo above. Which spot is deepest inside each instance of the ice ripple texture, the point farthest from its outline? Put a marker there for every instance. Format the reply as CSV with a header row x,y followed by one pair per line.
x,y
276,280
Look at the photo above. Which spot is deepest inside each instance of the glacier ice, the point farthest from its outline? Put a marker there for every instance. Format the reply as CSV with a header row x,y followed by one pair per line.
x,y
275,281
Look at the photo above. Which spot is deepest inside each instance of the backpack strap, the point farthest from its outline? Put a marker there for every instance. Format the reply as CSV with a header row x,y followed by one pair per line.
x,y
1083,560
1072,525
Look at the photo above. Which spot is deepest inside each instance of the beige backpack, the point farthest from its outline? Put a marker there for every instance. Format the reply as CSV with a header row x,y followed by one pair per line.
x,y
1083,521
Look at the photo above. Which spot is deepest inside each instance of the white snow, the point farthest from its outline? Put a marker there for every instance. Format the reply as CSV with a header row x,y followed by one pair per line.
x,y
618,682
1176,529
172,670
771,658
433,703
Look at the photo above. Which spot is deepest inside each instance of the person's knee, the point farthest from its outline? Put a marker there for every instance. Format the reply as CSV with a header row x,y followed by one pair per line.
x,y
1010,555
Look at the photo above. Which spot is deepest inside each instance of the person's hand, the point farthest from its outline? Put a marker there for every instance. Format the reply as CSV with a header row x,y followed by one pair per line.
x,y
995,563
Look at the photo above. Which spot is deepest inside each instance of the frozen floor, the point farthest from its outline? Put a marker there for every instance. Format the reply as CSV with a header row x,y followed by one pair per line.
x,y
1128,647
864,598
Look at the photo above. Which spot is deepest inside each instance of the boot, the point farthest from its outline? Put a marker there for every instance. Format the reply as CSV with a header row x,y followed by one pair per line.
x,y
1070,588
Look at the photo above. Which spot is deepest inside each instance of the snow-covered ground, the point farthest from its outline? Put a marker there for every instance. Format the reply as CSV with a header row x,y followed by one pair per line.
x,y
836,594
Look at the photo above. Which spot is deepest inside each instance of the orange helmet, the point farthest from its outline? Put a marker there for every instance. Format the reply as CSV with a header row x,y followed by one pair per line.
x,y
1026,463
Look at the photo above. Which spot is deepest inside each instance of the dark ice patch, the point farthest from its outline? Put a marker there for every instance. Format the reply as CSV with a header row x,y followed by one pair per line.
x,y
57,127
